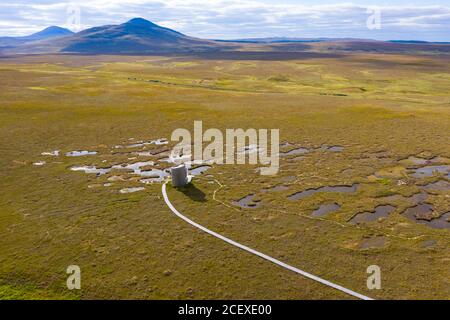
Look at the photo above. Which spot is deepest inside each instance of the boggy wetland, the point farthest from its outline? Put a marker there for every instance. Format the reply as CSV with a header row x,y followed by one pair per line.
x,y
364,176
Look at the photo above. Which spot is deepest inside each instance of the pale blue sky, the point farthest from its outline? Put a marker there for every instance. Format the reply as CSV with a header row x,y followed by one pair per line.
x,y
231,19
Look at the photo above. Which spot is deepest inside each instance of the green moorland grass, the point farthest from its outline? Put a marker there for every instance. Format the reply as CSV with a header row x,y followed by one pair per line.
x,y
8,292
381,108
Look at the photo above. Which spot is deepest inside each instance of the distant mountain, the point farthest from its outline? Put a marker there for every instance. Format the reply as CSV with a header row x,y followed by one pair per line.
x,y
47,33
291,40
137,36
50,32
418,42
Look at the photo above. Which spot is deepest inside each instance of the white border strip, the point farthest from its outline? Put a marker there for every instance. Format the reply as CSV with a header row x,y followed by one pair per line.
x,y
259,254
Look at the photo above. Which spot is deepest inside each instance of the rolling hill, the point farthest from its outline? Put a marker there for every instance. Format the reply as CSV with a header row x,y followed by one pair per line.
x,y
48,33
137,36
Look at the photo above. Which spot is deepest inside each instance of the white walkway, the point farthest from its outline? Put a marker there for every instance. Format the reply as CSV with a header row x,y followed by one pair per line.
x,y
259,254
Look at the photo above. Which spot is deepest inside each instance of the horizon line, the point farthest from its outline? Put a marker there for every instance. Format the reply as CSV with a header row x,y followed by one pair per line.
x,y
244,39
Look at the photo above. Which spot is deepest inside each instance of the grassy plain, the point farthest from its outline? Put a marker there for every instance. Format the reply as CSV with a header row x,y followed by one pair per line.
x,y
381,109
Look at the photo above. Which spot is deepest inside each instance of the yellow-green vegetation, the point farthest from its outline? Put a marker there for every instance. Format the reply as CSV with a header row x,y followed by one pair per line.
x,y
8,292
382,109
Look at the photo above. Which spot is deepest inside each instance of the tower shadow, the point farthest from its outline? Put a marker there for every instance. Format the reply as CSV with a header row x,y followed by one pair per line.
x,y
193,193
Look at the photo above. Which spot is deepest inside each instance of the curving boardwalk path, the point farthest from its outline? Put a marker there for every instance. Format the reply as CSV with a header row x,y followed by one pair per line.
x,y
260,254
